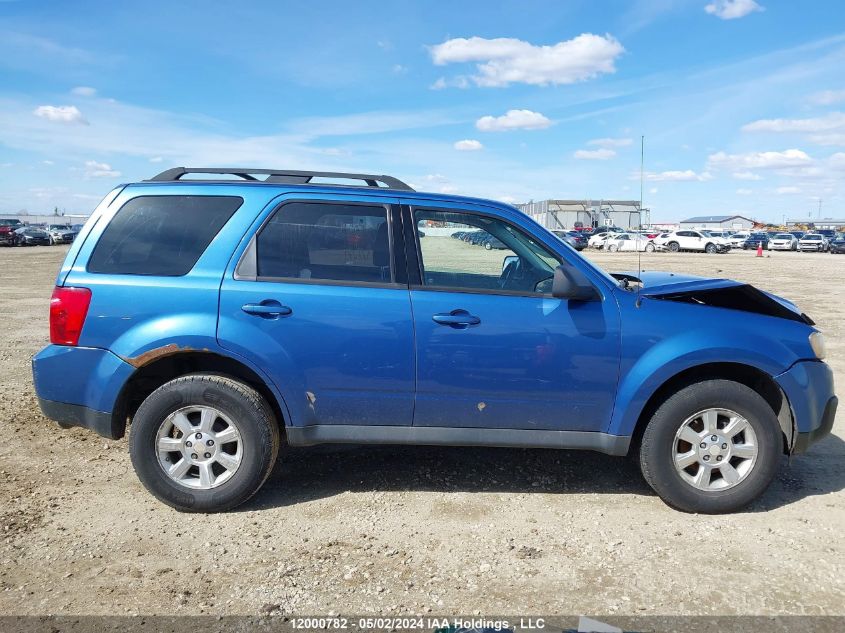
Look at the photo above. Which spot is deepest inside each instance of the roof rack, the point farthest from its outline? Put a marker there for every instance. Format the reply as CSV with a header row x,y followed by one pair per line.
x,y
279,176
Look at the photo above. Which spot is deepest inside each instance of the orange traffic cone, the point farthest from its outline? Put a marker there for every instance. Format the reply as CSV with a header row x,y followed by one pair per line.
x,y
760,249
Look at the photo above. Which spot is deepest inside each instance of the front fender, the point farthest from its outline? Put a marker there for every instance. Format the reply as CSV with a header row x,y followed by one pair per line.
x,y
644,373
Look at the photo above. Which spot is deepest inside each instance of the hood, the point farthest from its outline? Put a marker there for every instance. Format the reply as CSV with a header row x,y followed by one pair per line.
x,y
718,293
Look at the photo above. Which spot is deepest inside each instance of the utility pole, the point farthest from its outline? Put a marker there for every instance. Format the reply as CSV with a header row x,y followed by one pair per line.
x,y
820,208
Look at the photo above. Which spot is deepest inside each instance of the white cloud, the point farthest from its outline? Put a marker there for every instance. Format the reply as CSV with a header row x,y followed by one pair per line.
x,y
687,175
827,97
732,9
156,159
759,160
744,192
62,114
653,190
610,142
84,91
832,121
594,154
787,190
93,169
746,175
399,69
507,199
454,82
503,61
824,130
513,120
468,145
837,160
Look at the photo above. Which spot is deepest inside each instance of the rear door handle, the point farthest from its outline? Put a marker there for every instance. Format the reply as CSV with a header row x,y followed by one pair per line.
x,y
268,309
458,319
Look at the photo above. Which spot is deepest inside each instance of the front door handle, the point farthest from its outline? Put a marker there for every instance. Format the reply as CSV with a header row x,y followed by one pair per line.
x,y
268,309
458,319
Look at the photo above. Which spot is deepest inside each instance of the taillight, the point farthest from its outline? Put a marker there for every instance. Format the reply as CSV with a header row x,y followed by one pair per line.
x,y
68,307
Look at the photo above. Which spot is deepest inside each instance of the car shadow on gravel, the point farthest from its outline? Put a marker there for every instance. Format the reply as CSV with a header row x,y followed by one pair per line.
x,y
307,474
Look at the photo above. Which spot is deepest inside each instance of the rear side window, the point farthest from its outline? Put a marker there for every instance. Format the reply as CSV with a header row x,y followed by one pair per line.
x,y
325,241
161,235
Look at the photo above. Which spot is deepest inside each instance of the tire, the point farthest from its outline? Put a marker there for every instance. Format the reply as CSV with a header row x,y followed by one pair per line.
x,y
660,444
710,249
612,248
488,246
238,405
674,247
649,248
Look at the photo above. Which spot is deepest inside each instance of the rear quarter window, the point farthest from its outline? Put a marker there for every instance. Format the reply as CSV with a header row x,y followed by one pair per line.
x,y
161,235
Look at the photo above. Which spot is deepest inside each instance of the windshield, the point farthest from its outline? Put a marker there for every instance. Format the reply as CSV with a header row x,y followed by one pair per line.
x,y
813,238
783,236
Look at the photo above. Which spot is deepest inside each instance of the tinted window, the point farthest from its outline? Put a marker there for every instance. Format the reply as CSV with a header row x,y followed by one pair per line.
x,y
161,235
337,242
496,257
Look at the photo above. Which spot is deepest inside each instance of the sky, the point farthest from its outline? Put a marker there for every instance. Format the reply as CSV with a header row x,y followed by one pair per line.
x,y
741,102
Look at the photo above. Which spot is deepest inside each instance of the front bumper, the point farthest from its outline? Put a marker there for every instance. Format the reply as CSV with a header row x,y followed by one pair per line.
x,y
808,386
79,386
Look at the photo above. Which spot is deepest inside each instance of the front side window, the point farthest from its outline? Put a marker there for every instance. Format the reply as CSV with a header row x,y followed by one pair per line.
x,y
465,251
161,235
325,241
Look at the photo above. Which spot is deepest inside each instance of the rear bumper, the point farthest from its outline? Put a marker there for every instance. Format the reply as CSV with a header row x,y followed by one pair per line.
x,y
68,415
79,386
808,386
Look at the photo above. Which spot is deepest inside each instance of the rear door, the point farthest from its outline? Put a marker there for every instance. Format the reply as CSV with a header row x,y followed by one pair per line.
x,y
319,300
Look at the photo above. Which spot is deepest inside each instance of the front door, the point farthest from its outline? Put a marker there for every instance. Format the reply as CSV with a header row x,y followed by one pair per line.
x,y
494,348
318,304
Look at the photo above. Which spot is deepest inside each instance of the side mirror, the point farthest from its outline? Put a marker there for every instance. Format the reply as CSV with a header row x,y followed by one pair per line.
x,y
571,283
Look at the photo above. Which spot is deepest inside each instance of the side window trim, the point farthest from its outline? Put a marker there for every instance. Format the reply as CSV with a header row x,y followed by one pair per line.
x,y
246,268
414,243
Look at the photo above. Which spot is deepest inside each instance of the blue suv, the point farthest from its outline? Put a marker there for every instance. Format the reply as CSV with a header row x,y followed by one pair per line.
x,y
221,312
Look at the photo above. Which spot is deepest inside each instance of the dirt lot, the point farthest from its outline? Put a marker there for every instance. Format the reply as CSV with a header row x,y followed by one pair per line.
x,y
403,530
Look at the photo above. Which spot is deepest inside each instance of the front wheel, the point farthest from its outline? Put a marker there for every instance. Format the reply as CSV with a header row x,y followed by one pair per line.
x,y
710,249
612,248
649,248
204,443
488,246
712,447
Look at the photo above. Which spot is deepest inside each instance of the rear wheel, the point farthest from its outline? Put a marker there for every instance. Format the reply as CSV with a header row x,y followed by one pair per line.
x,y
204,443
674,247
488,246
612,248
712,447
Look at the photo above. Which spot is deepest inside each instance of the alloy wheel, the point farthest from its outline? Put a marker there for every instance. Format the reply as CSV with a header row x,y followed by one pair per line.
x,y
715,449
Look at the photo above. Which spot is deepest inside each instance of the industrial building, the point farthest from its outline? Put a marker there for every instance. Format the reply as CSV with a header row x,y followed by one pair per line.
x,y
733,222
818,223
570,214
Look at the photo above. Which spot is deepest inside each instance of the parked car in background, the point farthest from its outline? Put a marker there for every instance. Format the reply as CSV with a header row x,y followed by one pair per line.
x,y
7,235
736,240
783,242
31,236
798,234
597,239
685,240
812,242
494,243
221,319
756,240
836,246
61,233
576,239
629,242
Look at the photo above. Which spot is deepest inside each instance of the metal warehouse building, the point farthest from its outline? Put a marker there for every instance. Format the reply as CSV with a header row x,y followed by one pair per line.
x,y
568,214
735,222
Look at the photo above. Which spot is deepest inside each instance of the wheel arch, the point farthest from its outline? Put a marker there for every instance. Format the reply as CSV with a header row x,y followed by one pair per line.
x,y
748,375
150,376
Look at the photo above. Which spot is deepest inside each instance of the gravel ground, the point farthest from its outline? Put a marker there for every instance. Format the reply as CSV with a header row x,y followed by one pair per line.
x,y
399,530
